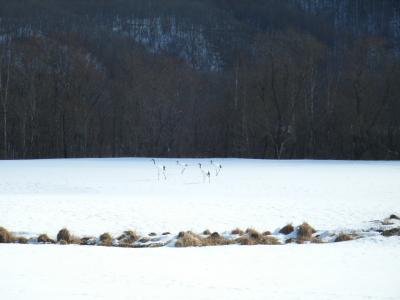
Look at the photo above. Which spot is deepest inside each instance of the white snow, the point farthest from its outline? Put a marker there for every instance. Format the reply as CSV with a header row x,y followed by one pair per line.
x,y
363,269
92,196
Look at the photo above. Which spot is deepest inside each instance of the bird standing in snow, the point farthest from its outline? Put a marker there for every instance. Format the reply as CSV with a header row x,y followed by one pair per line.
x,y
206,174
161,169
217,167
182,165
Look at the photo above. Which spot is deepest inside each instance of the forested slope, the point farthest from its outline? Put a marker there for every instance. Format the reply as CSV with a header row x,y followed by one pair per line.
x,y
265,78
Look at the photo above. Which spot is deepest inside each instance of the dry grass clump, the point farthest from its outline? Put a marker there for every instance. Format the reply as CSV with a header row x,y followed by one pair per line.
x,y
44,239
128,237
206,232
215,239
188,239
267,232
288,229
269,240
253,237
343,237
74,240
391,232
6,236
317,240
253,234
105,239
393,216
22,240
305,232
237,231
64,235
245,241
88,241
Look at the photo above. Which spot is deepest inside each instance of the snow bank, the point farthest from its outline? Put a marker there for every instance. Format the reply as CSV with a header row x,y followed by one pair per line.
x,y
363,269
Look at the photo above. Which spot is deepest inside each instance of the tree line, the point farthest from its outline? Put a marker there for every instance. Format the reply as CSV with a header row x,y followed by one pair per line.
x,y
194,78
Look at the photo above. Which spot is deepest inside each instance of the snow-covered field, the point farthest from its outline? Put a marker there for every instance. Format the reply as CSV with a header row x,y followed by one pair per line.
x,y
92,196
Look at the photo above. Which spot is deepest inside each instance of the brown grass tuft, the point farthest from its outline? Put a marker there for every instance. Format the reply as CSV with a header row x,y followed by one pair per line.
x,y
343,237
305,232
128,237
288,229
216,239
64,235
75,240
215,235
267,232
44,239
105,239
396,217
88,241
237,231
253,234
317,240
269,240
245,241
257,239
188,239
22,240
6,236
391,232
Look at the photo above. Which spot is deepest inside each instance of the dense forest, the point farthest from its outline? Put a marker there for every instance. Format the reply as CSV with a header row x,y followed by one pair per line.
x,y
177,78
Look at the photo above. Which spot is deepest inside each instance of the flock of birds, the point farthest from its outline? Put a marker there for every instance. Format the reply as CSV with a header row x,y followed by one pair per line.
x,y
206,171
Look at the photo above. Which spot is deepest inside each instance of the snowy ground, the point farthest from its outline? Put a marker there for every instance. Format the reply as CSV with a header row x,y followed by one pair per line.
x,y
94,196
356,270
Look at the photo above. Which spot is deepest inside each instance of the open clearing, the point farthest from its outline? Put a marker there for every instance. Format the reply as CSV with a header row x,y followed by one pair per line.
x,y
92,196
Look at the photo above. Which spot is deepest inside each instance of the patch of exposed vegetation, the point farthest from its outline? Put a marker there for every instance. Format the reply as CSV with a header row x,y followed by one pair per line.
x,y
288,229
237,231
88,241
6,236
106,239
395,217
64,235
44,239
343,237
188,239
305,232
391,232
317,240
253,237
128,238
22,240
